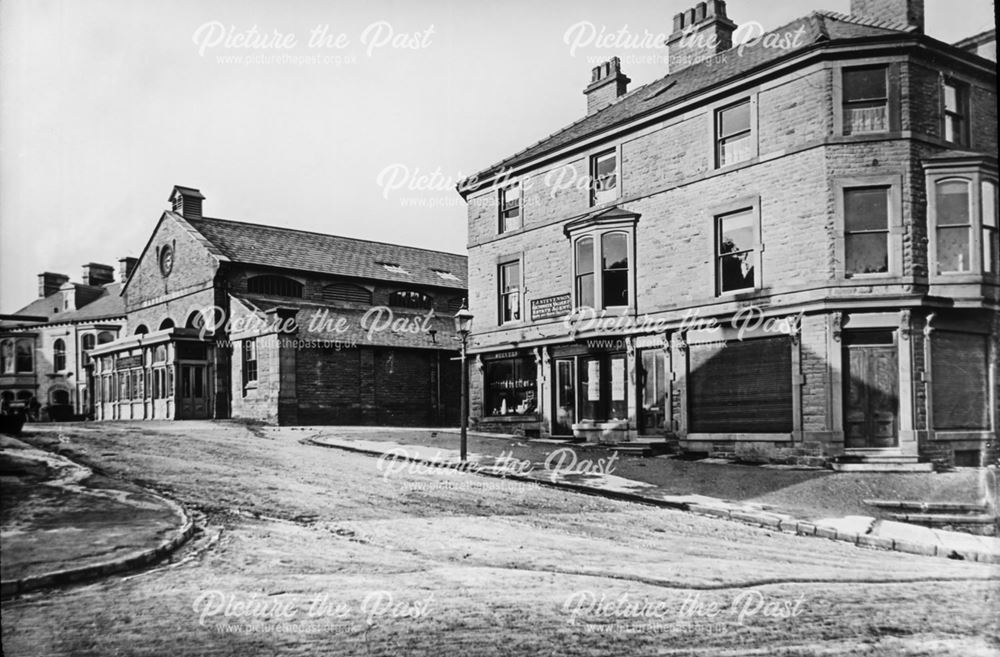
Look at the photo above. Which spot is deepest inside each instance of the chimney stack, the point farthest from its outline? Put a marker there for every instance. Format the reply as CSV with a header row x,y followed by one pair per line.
x,y
903,12
699,33
97,274
607,84
186,201
125,267
49,283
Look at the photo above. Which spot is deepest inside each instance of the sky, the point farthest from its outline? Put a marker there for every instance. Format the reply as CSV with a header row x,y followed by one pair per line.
x,y
353,118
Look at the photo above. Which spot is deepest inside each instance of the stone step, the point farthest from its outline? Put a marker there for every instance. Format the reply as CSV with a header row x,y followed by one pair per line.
x,y
881,466
944,518
929,507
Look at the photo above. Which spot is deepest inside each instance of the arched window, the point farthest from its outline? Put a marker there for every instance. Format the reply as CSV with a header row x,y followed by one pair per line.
x,y
584,257
105,337
614,269
7,357
346,292
411,299
195,320
278,286
954,225
141,329
59,355
24,357
166,324
7,396
24,395
60,398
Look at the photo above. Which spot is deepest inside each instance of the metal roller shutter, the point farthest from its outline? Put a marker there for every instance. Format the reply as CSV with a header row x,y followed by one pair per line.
x,y
959,388
741,387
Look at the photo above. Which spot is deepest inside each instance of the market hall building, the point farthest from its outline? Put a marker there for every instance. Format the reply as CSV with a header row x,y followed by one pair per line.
x,y
227,319
782,250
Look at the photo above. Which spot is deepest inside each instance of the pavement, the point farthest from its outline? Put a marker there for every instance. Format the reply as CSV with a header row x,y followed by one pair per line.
x,y
596,472
63,523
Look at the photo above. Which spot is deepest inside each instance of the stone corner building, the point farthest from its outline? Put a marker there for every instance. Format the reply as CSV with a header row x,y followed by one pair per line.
x,y
228,319
783,249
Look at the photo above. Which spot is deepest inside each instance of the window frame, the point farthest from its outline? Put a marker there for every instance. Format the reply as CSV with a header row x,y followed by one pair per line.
x,y
976,174
521,366
502,264
613,220
893,119
718,138
249,365
29,344
597,271
749,204
883,101
963,99
593,161
59,355
894,222
505,208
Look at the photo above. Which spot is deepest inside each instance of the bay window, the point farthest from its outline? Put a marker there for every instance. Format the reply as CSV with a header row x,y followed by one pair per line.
x,y
954,226
962,217
602,248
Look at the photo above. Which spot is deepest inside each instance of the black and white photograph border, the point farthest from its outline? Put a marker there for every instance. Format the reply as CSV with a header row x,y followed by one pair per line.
x,y
656,327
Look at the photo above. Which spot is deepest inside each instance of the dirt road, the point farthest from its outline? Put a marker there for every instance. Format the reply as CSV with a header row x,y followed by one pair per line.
x,y
313,551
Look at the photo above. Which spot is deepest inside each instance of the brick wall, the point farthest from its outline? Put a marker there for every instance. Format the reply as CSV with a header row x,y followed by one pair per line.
x,y
151,298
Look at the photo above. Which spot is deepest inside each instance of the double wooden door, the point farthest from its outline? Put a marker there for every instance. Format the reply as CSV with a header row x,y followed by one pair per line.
x,y
871,390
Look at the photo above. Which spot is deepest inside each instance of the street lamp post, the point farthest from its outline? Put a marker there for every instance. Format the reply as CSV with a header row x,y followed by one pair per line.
x,y
463,326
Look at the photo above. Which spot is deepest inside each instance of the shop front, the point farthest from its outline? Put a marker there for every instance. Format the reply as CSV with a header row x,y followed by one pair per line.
x,y
607,391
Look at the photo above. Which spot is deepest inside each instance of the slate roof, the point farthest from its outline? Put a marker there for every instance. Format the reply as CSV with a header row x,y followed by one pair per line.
x,y
819,26
108,305
274,246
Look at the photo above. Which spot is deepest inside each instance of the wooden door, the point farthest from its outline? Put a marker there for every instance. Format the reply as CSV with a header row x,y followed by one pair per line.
x,y
871,396
194,392
564,416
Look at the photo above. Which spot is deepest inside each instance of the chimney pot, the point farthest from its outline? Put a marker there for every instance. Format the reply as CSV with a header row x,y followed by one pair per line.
x,y
125,267
702,31
49,283
607,83
98,274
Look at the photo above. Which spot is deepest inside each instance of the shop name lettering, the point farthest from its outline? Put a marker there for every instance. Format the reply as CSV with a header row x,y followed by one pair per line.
x,y
746,320
377,319
744,606
377,604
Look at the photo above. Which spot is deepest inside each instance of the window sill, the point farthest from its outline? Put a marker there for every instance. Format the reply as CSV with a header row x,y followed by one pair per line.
x,y
533,417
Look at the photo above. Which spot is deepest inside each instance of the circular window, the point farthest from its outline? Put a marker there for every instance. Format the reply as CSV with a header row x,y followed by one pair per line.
x,y
166,260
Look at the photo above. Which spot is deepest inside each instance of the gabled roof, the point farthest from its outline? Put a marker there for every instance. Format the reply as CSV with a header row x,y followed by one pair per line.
x,y
818,27
285,248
